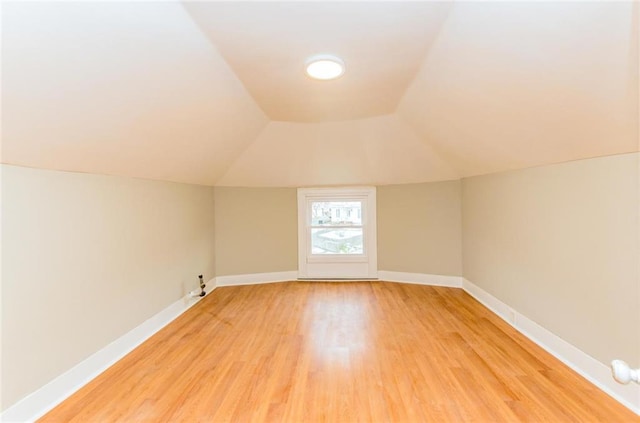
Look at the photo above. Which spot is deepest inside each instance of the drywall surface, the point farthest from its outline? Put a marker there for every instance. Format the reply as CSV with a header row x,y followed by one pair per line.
x,y
375,151
419,228
560,244
121,88
86,258
509,85
256,230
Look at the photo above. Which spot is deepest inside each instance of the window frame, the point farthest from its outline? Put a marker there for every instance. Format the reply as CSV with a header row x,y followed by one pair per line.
x,y
368,259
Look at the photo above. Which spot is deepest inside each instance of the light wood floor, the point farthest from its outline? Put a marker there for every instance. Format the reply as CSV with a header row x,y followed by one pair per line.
x,y
339,352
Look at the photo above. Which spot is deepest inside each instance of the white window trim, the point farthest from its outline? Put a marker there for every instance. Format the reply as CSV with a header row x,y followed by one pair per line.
x,y
365,194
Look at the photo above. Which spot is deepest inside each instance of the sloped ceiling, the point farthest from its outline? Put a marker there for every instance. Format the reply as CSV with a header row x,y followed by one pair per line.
x,y
214,93
266,44
125,88
380,151
514,85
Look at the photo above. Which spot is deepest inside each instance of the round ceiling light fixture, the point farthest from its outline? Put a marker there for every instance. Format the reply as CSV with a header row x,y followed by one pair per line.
x,y
325,67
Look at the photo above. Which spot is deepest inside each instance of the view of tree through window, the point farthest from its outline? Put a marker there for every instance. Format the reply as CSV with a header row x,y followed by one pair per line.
x,y
336,227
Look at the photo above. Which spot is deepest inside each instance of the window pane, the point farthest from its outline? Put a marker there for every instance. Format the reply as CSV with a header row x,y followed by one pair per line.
x,y
331,213
336,241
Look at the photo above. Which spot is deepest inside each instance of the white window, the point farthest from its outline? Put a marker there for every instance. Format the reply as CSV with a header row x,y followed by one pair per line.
x,y
336,233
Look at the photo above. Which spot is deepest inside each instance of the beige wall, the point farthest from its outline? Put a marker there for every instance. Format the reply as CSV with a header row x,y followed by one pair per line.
x,y
559,244
256,230
419,228
86,258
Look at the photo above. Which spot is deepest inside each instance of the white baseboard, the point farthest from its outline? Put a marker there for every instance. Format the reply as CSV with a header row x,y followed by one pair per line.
x,y
256,278
38,403
588,367
415,278
420,278
44,399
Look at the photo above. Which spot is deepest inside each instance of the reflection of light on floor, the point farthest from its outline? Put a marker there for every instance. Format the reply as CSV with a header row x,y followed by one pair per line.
x,y
337,331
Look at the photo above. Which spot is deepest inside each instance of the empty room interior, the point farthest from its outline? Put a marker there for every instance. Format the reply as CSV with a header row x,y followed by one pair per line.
x,y
320,211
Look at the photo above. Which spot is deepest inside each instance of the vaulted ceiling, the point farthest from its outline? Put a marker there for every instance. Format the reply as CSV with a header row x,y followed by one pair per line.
x,y
215,93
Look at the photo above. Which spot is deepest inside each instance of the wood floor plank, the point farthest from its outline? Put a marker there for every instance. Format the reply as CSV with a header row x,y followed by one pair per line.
x,y
339,352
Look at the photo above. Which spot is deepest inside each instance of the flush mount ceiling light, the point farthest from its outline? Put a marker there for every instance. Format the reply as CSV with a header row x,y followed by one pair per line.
x,y
324,67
